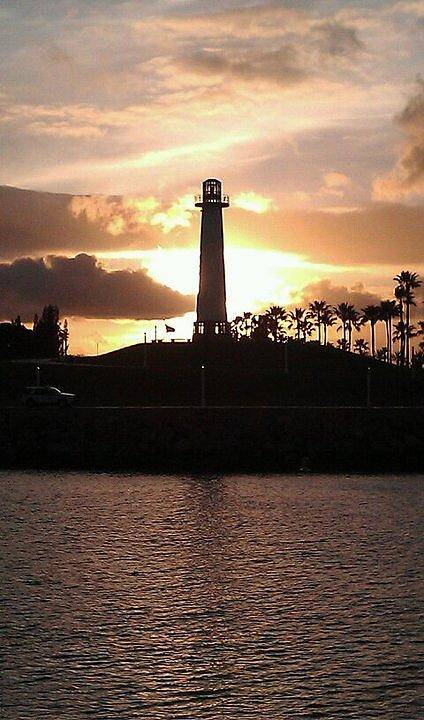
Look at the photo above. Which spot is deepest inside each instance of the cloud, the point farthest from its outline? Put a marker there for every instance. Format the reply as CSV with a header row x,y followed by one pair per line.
x,y
268,20
33,223
315,50
80,286
281,66
337,40
114,214
40,223
411,7
407,177
335,183
128,215
179,214
252,202
377,233
324,289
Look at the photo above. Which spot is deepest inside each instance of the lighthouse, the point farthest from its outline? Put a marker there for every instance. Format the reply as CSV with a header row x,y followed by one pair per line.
x,y
211,321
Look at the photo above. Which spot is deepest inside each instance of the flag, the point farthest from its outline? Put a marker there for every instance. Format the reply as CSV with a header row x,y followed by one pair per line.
x,y
168,328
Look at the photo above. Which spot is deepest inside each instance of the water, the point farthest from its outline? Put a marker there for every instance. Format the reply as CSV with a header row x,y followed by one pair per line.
x,y
229,597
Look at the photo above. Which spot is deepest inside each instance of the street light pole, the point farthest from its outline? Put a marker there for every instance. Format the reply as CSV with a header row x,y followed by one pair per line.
x,y
368,386
203,386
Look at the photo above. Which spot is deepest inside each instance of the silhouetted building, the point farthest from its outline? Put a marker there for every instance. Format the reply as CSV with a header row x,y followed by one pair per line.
x,y
211,308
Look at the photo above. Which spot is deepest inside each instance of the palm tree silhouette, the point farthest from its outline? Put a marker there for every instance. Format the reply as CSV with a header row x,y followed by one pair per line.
x,y
389,310
382,354
361,346
275,317
259,327
407,283
350,319
296,319
420,331
327,320
371,314
343,344
316,310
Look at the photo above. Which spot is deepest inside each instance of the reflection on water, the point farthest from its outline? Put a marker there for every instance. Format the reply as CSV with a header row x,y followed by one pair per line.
x,y
235,597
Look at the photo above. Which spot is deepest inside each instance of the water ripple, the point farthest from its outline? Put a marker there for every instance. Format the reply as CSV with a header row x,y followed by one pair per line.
x,y
275,597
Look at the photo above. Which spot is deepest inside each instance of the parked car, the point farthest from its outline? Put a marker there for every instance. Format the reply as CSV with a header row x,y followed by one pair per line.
x,y
46,395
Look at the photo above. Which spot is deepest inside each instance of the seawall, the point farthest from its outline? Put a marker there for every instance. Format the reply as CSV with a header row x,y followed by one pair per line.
x,y
214,439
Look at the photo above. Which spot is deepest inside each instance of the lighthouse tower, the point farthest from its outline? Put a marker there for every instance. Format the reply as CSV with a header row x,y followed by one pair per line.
x,y
211,309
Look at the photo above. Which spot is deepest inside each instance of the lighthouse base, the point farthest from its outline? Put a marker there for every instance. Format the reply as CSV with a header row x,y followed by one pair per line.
x,y
210,330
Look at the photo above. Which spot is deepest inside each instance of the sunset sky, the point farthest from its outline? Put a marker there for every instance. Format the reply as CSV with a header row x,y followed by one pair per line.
x,y
112,113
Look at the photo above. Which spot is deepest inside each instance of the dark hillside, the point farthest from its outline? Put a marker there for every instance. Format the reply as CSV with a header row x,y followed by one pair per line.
x,y
235,374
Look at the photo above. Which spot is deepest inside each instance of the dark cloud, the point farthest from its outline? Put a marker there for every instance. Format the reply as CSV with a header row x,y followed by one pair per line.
x,y
378,233
38,222
81,287
324,289
407,177
281,66
285,65
33,223
337,40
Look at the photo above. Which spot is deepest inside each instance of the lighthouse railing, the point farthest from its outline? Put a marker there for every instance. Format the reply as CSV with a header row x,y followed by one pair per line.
x,y
225,199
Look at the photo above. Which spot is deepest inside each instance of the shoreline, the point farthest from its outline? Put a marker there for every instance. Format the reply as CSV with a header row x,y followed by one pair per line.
x,y
214,439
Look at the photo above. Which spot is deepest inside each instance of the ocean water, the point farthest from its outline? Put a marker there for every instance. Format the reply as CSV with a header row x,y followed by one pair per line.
x,y
284,597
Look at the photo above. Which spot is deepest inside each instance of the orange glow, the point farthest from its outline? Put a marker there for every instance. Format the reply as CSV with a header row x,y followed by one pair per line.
x,y
255,278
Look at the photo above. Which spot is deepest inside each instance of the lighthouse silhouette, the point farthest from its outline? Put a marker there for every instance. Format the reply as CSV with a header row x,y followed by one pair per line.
x,y
211,322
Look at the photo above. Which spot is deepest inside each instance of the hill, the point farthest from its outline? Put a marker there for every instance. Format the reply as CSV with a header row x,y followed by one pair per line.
x,y
235,373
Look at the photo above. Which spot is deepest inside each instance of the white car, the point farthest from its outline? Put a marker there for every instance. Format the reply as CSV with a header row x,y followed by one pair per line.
x,y
46,395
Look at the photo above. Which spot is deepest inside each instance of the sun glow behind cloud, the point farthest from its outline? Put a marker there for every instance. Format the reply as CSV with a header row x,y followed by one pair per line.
x,y
255,278
253,202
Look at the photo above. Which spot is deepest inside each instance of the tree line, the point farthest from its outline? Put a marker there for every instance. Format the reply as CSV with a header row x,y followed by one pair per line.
x,y
315,321
48,338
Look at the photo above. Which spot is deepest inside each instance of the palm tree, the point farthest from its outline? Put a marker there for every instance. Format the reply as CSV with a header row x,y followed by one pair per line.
x,y
246,324
361,346
418,360
317,309
259,325
275,316
343,344
295,319
342,311
400,326
388,311
236,327
371,314
327,320
420,331
408,282
349,318
306,327
382,354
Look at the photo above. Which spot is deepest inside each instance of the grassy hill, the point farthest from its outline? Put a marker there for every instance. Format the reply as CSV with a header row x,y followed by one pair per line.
x,y
260,373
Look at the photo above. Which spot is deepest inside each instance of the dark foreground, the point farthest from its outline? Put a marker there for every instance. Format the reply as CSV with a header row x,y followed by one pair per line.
x,y
137,597
230,439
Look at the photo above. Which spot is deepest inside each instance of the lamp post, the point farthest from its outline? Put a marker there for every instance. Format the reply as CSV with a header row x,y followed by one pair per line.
x,y
203,386
37,376
286,357
368,386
